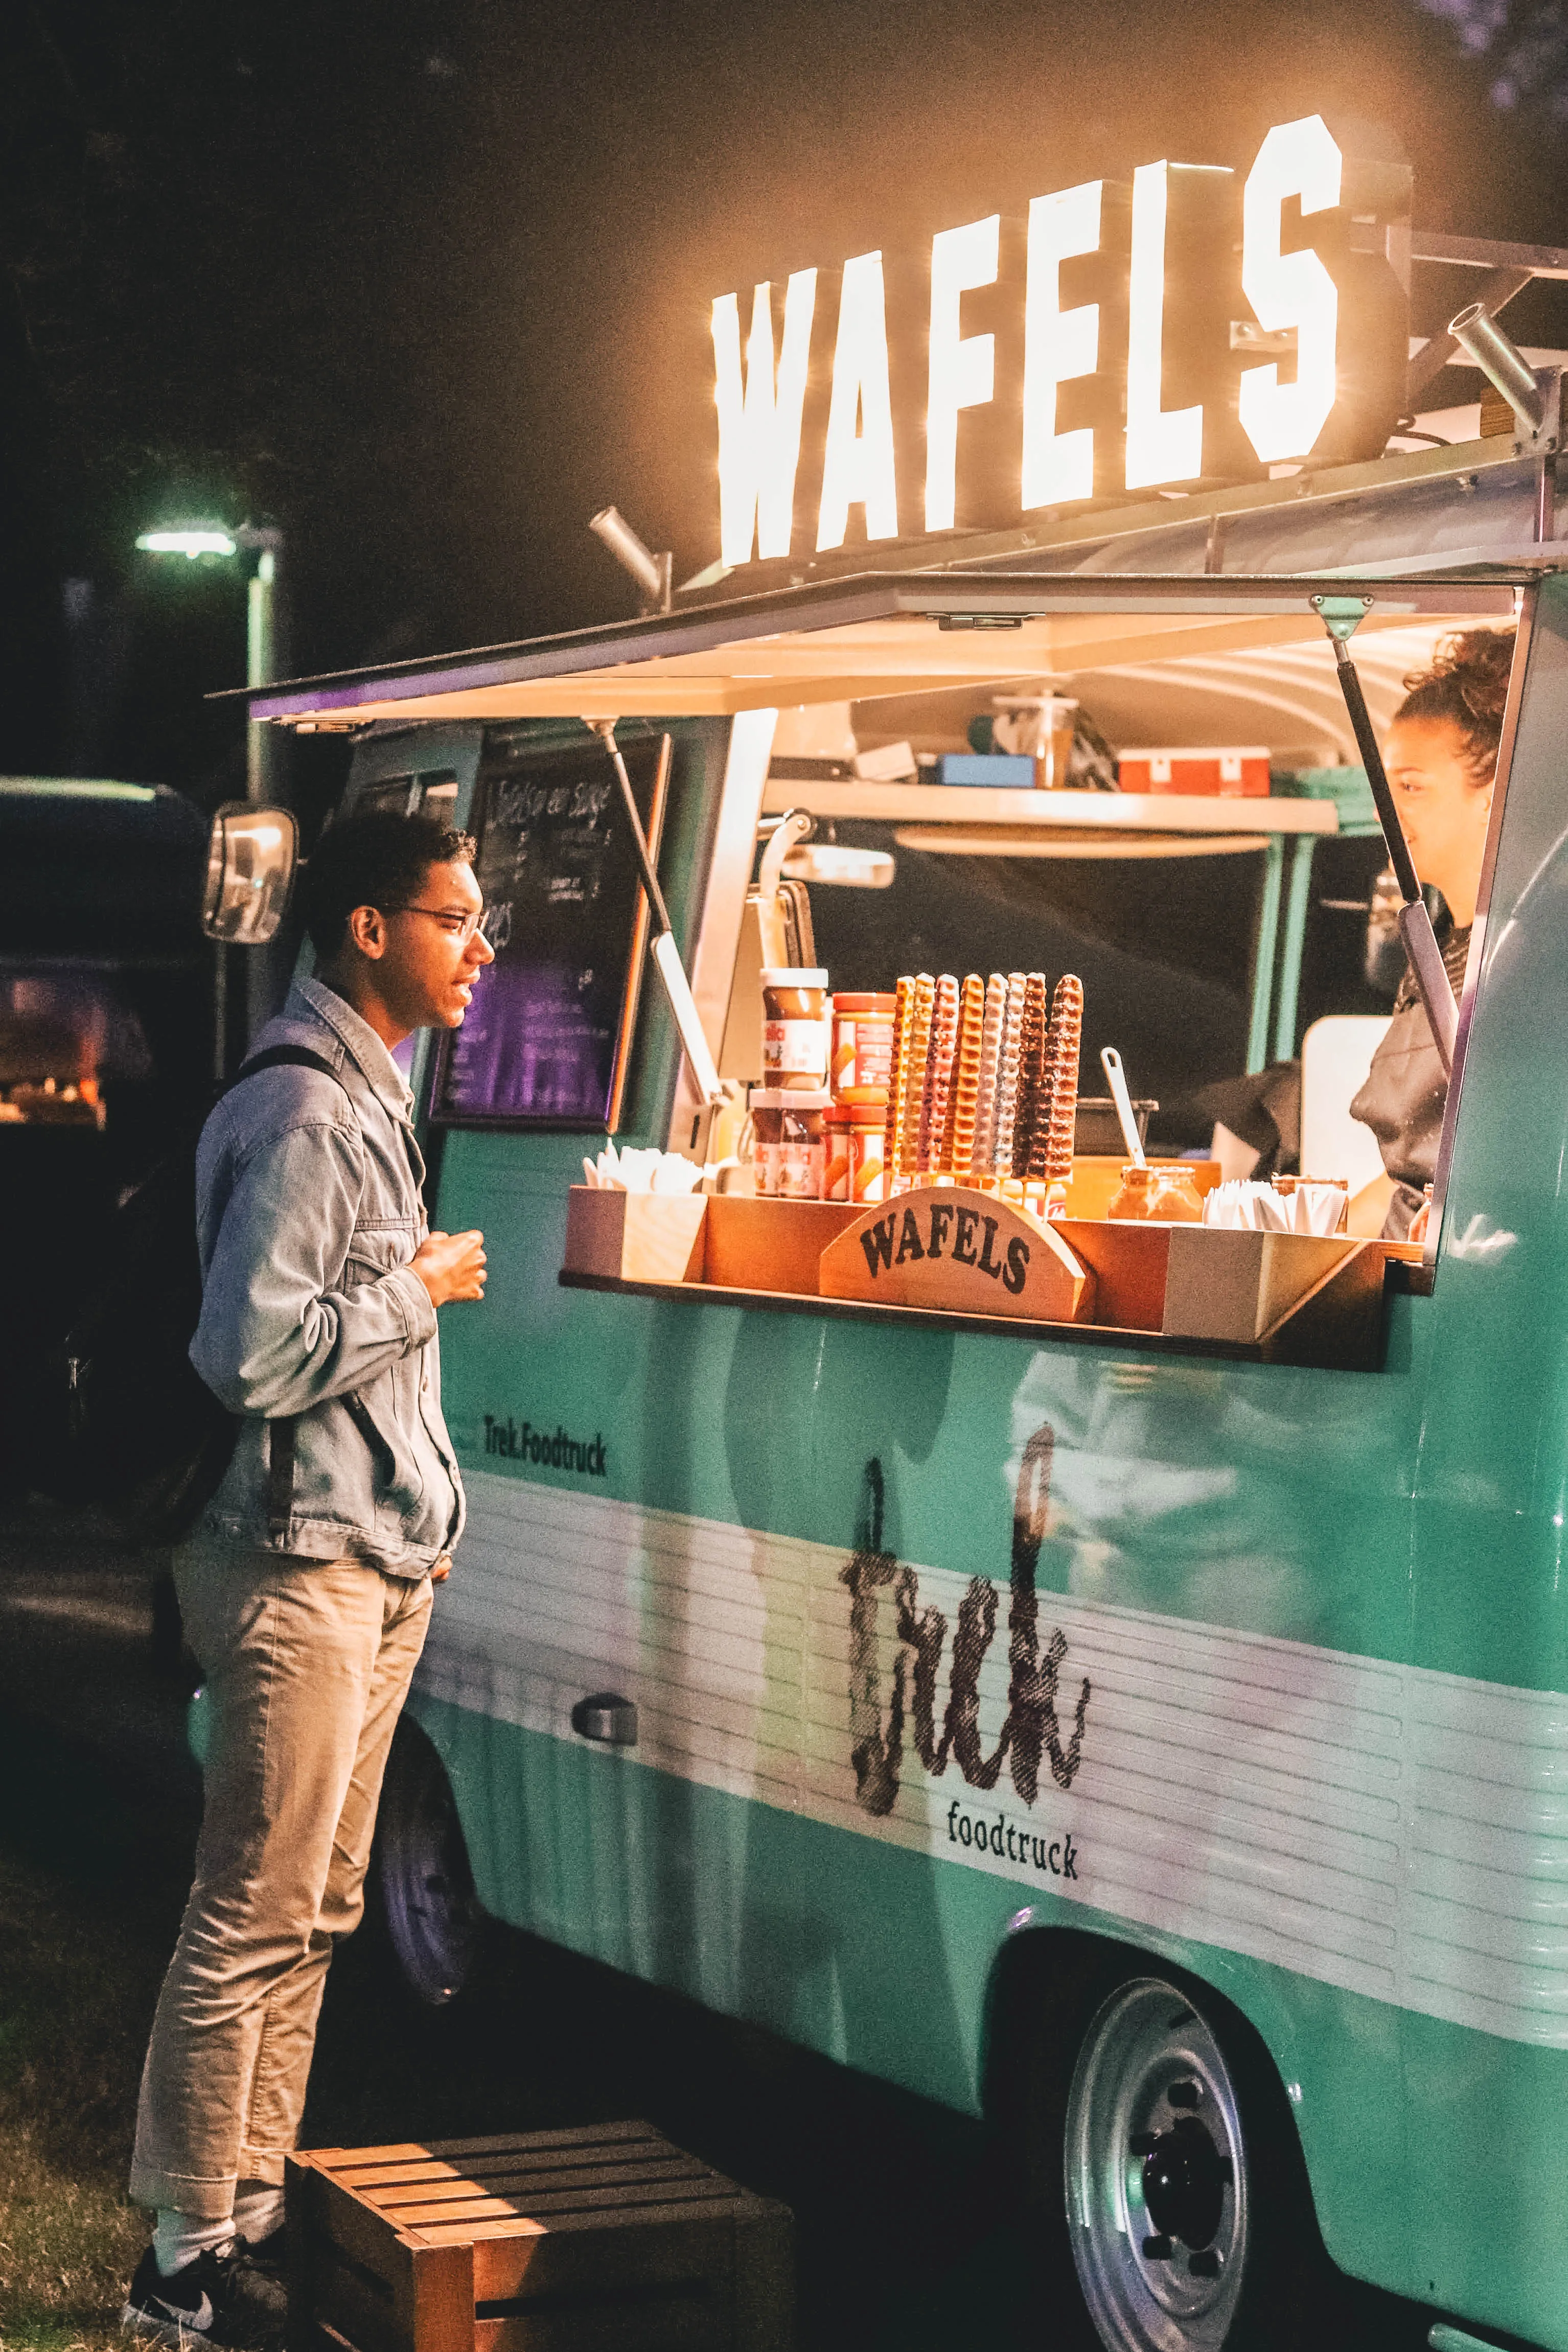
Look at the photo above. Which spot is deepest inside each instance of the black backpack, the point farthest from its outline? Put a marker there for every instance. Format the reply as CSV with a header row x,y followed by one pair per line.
x,y
141,1432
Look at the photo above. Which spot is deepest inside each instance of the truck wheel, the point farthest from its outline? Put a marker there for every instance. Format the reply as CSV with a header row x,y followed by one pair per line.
x,y
422,1866
1188,2212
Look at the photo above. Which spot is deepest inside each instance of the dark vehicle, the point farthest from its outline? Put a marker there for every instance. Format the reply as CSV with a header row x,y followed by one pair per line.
x,y
106,1040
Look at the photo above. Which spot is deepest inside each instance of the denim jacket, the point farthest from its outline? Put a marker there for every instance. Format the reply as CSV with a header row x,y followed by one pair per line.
x,y
308,1211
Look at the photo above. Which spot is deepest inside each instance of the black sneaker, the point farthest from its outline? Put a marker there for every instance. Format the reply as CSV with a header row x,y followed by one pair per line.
x,y
225,2296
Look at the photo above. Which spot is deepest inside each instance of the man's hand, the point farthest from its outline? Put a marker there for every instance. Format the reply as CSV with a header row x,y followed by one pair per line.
x,y
451,1265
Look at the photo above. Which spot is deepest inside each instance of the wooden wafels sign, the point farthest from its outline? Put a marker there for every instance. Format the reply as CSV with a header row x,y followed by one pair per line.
x,y
964,1250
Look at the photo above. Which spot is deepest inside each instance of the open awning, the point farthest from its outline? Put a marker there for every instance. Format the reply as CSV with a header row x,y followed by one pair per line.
x,y
861,638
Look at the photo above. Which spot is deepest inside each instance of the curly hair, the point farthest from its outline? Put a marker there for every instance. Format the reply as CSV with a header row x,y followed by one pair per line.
x,y
1464,687
375,858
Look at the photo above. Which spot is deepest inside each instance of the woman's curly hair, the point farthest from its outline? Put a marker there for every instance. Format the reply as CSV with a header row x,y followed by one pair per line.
x,y
1464,687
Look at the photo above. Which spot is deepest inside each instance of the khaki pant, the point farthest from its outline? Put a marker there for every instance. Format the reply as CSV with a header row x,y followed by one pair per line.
x,y
306,1666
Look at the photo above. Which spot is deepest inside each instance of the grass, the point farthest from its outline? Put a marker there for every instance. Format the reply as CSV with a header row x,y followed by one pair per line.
x,y
75,1996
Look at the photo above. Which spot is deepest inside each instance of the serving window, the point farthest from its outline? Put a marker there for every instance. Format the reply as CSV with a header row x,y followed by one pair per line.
x,y
1216,933
1202,858
1198,849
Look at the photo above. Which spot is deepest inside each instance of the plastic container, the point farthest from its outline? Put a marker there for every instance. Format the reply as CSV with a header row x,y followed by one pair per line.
x,y
1163,1194
795,1028
862,1063
790,1154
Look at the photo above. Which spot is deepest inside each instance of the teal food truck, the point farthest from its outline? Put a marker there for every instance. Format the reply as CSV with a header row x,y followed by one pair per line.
x,y
1158,1736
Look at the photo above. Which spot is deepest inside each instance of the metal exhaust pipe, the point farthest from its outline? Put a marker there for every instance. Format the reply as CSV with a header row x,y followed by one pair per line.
x,y
1502,364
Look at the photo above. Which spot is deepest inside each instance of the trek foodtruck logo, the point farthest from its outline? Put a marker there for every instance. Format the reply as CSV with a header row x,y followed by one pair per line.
x,y
1181,328
554,1449
1031,1732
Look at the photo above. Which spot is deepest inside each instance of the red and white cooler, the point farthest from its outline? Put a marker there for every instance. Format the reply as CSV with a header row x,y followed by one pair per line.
x,y
1231,772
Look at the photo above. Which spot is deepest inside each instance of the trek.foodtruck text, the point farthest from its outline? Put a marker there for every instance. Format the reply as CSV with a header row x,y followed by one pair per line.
x,y
553,1449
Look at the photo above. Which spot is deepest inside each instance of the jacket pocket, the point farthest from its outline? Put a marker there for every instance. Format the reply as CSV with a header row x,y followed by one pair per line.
x,y
387,1419
377,1247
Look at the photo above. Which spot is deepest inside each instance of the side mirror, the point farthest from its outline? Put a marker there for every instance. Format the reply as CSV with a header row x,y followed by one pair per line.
x,y
251,856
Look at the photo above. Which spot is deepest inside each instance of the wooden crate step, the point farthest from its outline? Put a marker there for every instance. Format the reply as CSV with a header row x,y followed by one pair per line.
x,y
603,2236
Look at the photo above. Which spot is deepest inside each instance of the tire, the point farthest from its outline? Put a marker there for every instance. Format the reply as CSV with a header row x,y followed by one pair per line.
x,y
431,1915
1168,2179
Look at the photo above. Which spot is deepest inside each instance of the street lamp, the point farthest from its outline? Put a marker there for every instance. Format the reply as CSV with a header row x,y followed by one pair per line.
x,y
263,745
190,540
218,542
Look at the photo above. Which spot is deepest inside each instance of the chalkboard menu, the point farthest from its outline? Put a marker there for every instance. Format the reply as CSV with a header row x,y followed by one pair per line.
x,y
547,1039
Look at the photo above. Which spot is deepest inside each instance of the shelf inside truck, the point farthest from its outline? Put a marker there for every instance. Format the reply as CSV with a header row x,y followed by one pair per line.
x,y
1107,812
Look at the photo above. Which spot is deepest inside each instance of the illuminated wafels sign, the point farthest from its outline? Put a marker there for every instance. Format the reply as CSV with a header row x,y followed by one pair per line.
x,y
1189,326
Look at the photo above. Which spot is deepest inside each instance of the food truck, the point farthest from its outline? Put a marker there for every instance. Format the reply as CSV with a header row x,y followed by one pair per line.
x,y
1130,1700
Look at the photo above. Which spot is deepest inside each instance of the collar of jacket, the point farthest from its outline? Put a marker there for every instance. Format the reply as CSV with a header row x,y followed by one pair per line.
x,y
311,998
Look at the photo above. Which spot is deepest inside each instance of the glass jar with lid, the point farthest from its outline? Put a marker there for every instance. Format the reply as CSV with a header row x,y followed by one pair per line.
x,y
794,1028
1164,1193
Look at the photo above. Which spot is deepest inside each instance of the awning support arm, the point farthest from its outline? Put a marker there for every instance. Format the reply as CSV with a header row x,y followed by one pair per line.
x,y
1341,615
662,947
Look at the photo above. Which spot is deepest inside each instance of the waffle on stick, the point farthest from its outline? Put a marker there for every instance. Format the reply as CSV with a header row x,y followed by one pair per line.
x,y
898,1079
993,1024
921,1001
1007,1075
1028,1141
966,1077
938,1080
1066,1036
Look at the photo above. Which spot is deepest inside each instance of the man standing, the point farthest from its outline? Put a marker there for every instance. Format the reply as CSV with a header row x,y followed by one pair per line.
x,y
305,1587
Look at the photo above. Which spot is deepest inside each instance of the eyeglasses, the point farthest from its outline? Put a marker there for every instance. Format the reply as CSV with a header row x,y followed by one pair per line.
x,y
456,927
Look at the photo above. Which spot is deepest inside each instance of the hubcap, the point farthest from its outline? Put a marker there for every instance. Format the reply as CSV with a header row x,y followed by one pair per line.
x,y
1156,2177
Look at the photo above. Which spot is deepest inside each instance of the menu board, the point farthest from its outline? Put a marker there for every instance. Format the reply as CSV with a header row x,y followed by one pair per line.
x,y
547,1040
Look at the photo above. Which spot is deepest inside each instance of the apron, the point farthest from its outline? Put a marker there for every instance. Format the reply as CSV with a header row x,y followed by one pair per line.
x,y
1406,1092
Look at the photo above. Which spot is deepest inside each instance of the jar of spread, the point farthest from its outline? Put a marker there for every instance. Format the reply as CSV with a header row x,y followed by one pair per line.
x,y
789,1153
836,1175
803,1146
767,1134
794,1028
1160,1195
862,1063
867,1166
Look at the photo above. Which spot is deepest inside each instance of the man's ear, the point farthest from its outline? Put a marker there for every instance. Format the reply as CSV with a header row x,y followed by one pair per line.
x,y
367,932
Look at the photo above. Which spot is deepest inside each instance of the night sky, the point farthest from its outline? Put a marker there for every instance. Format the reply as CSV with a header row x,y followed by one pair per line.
x,y
427,284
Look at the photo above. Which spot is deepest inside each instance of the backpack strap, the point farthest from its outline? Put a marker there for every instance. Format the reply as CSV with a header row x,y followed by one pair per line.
x,y
293,1058
303,1057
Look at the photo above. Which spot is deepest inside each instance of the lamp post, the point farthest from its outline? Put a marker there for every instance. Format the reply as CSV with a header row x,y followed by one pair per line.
x,y
216,542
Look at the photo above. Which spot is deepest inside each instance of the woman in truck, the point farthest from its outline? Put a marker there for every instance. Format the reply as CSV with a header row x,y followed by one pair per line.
x,y
1441,757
